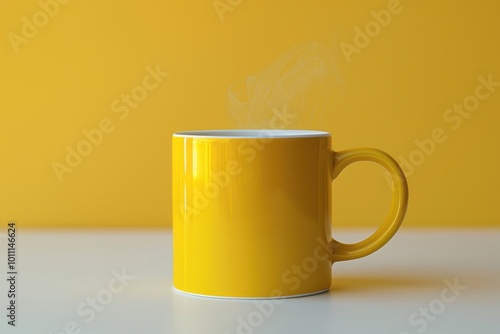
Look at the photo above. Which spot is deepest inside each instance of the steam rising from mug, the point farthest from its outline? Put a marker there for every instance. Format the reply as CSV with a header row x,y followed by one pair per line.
x,y
299,83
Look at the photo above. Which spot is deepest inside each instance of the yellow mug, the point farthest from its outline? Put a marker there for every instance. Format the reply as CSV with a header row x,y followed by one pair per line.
x,y
252,211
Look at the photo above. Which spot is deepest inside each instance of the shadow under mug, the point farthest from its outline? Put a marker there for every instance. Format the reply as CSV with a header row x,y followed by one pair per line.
x,y
252,211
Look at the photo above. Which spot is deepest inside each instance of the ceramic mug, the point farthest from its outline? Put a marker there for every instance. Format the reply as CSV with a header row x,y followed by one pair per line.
x,y
252,211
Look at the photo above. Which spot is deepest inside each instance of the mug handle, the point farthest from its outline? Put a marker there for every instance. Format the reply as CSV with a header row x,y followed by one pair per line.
x,y
342,159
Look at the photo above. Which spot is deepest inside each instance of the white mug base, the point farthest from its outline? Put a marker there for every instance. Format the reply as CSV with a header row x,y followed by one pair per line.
x,y
248,298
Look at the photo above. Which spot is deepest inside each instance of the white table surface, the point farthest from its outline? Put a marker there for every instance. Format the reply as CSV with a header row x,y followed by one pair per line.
x,y
59,270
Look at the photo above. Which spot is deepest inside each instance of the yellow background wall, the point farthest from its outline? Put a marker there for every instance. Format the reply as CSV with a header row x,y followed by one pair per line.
x,y
394,88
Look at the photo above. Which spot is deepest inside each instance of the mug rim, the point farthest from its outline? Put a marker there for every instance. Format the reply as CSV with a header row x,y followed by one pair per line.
x,y
252,133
